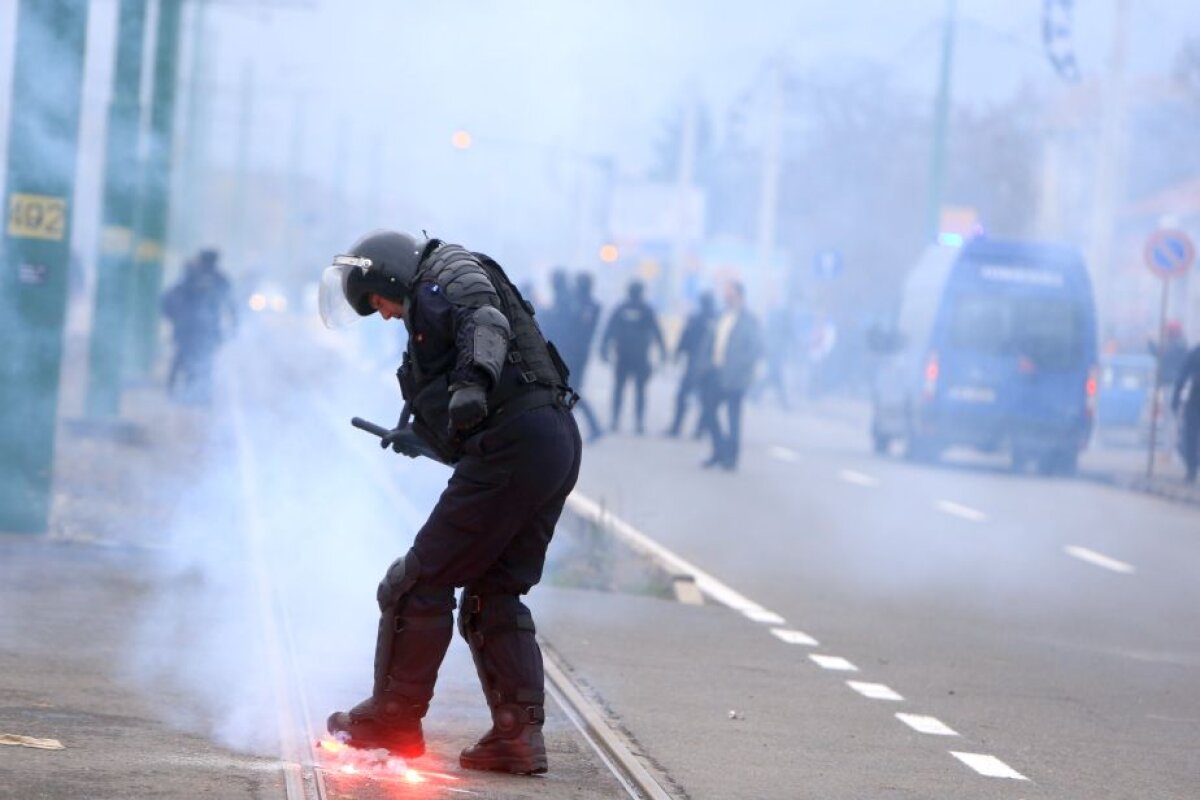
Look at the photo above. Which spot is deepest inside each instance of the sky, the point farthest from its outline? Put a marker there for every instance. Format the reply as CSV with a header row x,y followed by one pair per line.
x,y
377,88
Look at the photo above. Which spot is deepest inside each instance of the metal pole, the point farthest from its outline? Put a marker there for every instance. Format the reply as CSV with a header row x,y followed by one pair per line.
x,y
1156,402
768,199
1110,164
114,278
153,212
35,251
685,178
941,122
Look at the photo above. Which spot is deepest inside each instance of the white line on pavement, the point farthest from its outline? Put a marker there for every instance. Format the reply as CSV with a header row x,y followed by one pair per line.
x,y
1098,559
930,725
591,510
875,691
794,637
783,454
989,766
833,662
961,511
858,478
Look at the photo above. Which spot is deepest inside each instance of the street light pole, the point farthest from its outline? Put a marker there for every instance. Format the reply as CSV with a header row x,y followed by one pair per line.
x,y
941,122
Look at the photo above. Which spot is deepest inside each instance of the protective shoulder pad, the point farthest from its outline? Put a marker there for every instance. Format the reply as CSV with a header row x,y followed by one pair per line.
x,y
462,277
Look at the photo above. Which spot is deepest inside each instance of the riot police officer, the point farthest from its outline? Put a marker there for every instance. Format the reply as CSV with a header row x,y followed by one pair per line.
x,y
489,395
631,332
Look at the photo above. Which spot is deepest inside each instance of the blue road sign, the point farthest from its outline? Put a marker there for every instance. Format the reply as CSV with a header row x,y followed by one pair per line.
x,y
1169,253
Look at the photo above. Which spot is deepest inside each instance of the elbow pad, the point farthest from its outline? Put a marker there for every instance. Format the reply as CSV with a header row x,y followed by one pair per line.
x,y
489,343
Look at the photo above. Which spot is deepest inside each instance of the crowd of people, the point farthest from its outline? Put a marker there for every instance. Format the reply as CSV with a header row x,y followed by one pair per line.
x,y
719,349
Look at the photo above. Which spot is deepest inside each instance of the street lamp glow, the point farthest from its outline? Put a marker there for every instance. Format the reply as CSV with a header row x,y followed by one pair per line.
x,y
609,253
461,140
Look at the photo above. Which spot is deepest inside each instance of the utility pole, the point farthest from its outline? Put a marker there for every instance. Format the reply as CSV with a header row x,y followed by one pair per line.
x,y
685,180
238,239
114,270
941,122
35,251
768,199
1110,167
153,212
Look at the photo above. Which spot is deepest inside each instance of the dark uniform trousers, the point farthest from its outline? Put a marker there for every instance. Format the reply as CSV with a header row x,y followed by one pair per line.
x,y
488,533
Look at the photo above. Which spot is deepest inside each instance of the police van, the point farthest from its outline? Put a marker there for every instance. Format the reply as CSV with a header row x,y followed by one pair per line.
x,y
994,347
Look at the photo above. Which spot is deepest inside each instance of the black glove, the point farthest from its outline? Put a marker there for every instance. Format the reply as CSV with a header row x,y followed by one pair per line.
x,y
402,440
468,405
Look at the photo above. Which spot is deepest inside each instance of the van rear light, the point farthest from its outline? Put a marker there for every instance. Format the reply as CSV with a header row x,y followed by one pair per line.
x,y
932,370
1091,389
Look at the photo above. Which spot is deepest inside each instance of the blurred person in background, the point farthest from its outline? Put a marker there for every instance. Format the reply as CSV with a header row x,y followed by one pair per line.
x,y
695,346
631,332
736,348
584,321
487,394
779,351
571,324
1172,354
202,313
1187,382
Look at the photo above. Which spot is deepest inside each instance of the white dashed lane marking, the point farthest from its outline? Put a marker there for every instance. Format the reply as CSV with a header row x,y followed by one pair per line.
x,y
875,691
589,509
930,725
794,637
989,766
833,662
1098,559
858,478
960,511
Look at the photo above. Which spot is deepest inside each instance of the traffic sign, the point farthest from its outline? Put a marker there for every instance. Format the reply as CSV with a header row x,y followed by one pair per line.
x,y
1169,253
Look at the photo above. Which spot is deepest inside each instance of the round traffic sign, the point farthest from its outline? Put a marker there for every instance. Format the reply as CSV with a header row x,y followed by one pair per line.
x,y
1169,253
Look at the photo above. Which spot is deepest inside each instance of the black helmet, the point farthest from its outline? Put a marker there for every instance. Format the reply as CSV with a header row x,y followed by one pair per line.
x,y
382,262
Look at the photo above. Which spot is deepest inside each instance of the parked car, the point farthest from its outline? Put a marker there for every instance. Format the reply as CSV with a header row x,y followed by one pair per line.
x,y
994,347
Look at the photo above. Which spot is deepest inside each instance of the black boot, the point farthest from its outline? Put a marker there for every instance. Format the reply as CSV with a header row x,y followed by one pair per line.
x,y
388,722
514,744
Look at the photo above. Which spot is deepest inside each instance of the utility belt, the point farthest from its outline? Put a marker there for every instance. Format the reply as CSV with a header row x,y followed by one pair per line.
x,y
535,397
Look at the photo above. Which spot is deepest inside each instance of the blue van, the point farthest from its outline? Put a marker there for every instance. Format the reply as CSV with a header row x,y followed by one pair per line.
x,y
994,348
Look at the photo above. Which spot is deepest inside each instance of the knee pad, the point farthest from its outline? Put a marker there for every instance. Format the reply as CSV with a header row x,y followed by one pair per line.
x,y
400,577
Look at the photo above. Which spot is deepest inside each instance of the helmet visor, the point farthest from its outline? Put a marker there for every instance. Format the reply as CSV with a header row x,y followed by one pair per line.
x,y
333,302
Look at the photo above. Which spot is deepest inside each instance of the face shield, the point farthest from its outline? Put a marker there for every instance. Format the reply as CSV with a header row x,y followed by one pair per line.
x,y
333,301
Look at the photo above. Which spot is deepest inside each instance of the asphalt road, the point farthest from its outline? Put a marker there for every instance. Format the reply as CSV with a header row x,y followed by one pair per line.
x,y
1050,624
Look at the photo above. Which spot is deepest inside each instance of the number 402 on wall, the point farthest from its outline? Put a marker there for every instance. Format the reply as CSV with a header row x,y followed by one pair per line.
x,y
37,216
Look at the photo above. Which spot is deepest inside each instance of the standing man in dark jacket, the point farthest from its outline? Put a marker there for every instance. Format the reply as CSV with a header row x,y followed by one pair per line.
x,y
695,345
488,395
1189,377
736,349
632,330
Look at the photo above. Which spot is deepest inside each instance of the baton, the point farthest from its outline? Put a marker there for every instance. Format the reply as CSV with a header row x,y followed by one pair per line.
x,y
369,427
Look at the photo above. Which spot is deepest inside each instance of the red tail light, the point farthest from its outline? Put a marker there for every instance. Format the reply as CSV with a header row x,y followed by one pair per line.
x,y
1091,389
932,370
